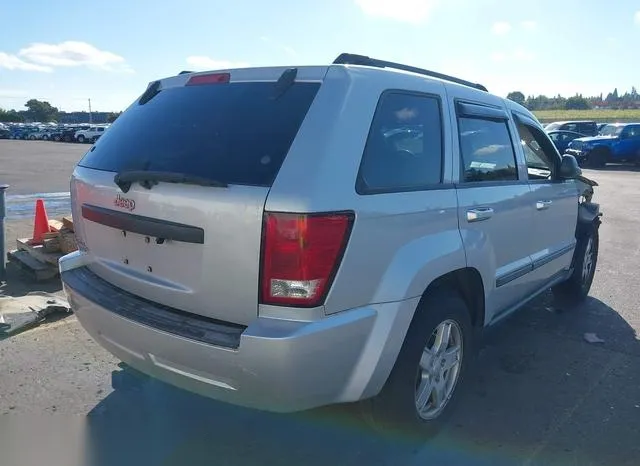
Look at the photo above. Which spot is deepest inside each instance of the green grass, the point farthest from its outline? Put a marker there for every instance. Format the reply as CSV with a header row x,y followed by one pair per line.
x,y
602,115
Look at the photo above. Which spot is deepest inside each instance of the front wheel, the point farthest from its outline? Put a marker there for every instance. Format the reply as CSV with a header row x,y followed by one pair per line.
x,y
81,139
425,382
585,258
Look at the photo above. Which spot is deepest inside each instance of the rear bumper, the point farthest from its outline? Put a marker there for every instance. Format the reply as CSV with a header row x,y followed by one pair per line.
x,y
278,365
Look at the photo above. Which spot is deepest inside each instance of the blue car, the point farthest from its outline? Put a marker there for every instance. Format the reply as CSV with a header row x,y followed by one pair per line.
x,y
617,142
561,139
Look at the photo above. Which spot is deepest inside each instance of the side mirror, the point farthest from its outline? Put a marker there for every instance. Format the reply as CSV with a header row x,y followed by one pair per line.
x,y
569,168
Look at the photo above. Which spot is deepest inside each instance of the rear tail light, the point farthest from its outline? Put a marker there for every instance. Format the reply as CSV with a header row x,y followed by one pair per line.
x,y
300,256
216,78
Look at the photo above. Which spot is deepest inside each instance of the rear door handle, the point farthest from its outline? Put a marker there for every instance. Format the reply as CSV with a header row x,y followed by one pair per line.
x,y
479,214
543,205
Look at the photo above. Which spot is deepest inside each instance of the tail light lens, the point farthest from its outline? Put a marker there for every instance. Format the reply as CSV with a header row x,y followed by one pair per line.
x,y
300,256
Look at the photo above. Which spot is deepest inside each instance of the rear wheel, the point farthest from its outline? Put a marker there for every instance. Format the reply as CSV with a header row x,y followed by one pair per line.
x,y
598,158
585,258
424,385
81,138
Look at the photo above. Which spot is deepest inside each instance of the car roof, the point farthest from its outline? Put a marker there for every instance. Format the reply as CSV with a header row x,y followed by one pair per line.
x,y
563,131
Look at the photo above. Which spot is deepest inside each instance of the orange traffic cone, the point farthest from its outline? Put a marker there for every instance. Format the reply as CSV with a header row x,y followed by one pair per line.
x,y
41,223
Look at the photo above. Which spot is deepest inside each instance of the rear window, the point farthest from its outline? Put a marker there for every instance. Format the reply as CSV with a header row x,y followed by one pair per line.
x,y
236,133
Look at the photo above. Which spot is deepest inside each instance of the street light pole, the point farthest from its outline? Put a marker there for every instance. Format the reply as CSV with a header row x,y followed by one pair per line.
x,y
90,119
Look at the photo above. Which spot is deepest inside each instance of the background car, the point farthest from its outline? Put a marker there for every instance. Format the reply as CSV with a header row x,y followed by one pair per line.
x,y
584,127
618,142
561,139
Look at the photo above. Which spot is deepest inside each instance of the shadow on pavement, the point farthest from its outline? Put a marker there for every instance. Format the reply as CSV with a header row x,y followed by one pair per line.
x,y
18,284
540,394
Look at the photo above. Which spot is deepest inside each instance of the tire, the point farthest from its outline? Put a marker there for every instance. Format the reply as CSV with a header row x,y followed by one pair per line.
x,y
585,258
33,138
81,139
56,138
396,407
598,158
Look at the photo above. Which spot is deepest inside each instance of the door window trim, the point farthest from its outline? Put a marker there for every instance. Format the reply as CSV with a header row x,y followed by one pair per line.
x,y
482,111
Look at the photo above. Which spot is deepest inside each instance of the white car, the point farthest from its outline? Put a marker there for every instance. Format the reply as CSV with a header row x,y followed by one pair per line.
x,y
91,134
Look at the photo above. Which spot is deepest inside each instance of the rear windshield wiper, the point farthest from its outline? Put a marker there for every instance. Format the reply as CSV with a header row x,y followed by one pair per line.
x,y
148,179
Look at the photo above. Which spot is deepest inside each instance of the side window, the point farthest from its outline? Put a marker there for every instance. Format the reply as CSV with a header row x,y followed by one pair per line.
x,y
633,131
486,150
571,127
404,147
539,153
589,128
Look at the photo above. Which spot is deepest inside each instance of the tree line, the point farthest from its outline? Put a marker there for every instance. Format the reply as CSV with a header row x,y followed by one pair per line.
x,y
613,100
41,111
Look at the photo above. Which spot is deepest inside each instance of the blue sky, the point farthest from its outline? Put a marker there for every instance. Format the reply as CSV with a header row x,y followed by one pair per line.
x,y
67,52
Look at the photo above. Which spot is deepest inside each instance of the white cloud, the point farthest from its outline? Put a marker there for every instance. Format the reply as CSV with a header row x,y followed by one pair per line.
x,y
202,63
498,56
73,53
11,62
501,28
636,17
406,11
529,25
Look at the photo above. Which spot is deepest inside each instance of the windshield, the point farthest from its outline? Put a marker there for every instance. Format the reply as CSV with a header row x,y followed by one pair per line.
x,y
611,130
232,133
552,126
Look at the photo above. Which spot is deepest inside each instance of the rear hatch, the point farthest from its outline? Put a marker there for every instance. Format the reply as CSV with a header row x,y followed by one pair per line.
x,y
169,202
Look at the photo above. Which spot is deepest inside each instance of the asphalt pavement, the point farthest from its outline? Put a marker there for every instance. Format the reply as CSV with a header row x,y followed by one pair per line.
x,y
540,393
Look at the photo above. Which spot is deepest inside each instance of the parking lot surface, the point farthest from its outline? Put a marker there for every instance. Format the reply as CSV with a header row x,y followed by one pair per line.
x,y
38,166
540,395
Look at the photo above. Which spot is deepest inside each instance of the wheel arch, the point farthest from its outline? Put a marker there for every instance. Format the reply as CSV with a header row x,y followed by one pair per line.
x,y
468,283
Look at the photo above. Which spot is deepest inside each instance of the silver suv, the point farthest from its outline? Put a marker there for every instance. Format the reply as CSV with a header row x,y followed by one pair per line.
x,y
286,238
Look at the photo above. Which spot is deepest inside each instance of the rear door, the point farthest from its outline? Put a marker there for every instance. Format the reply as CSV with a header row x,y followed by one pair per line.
x,y
494,221
193,247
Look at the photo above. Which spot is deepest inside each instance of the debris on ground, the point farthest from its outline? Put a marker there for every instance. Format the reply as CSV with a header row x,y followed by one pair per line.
x,y
593,338
38,256
25,312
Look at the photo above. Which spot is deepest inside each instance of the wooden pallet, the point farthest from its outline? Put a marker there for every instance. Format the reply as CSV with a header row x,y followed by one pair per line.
x,y
40,262
31,266
39,253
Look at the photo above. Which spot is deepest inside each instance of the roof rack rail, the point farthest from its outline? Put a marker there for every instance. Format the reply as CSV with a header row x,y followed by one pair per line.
x,y
353,59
